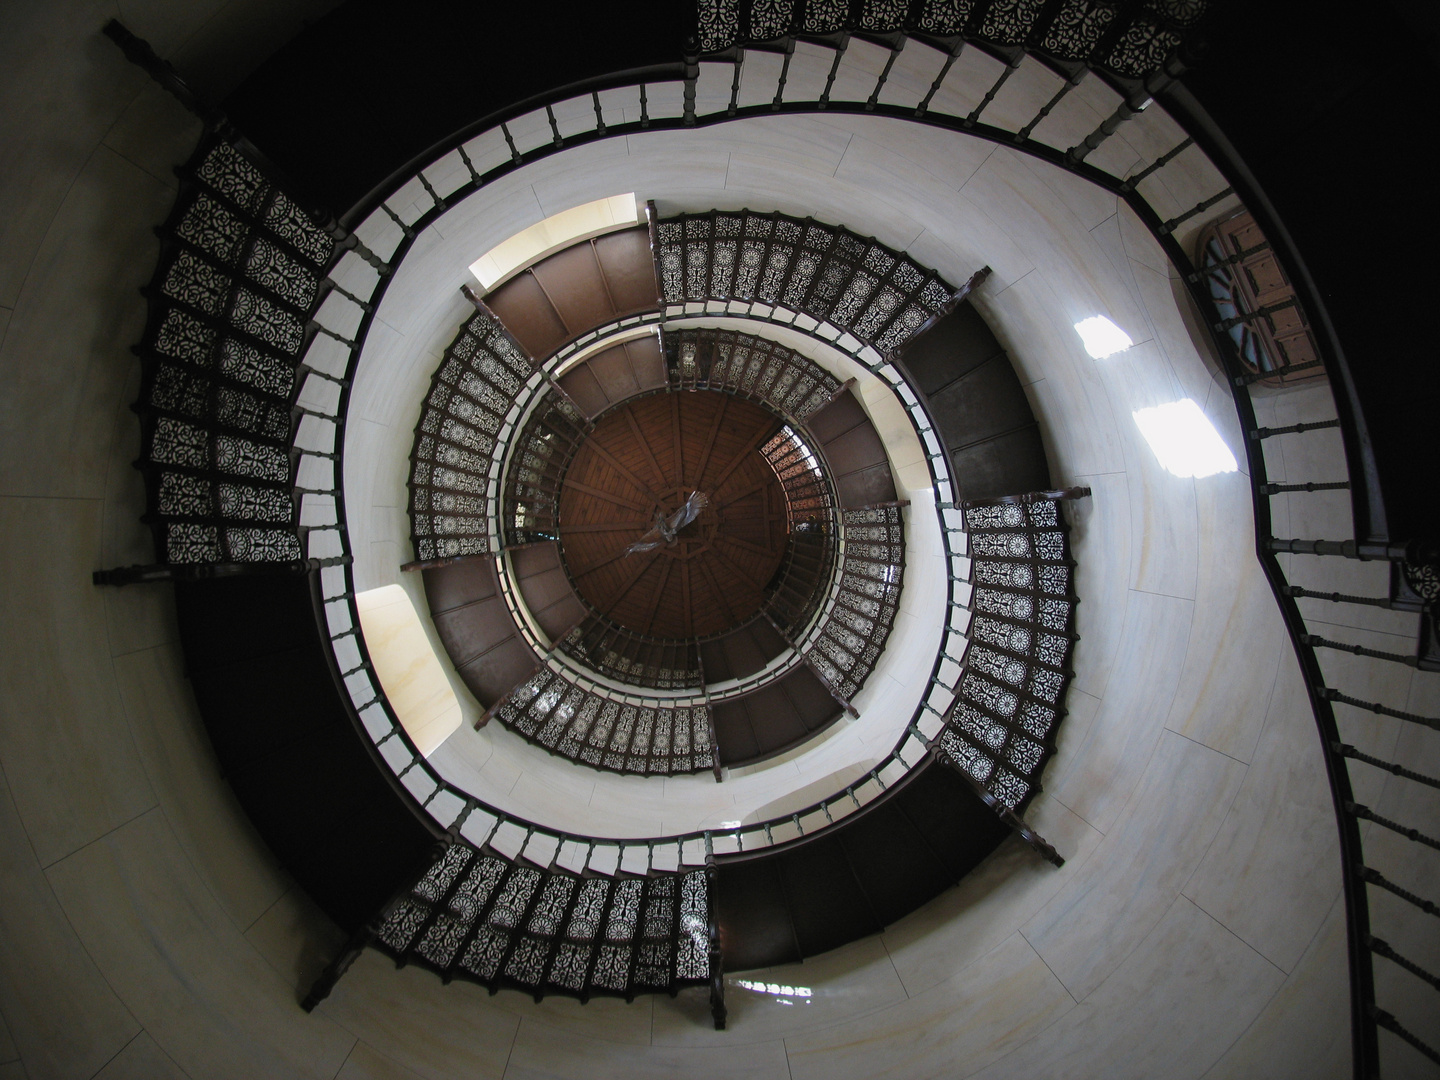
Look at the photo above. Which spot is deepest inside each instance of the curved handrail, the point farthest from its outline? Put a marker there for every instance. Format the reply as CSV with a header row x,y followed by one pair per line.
x,y
446,803
326,544
329,542
1363,480
1365,495
794,369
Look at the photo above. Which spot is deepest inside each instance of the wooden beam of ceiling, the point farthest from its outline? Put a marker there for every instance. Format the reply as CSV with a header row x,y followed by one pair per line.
x,y
748,545
609,497
615,464
685,592
754,441
678,441
578,574
753,489
644,446
740,571
641,565
714,433
608,526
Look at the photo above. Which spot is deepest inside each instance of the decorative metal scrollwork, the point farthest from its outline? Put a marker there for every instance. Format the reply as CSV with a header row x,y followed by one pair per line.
x,y
879,295
241,271
1000,731
552,710
456,441
476,914
748,366
1075,31
854,633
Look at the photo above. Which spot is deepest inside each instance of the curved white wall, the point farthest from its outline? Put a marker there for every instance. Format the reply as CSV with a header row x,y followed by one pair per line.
x,y
1195,930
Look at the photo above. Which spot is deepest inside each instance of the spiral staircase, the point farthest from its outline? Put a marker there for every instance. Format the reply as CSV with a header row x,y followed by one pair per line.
x,y
250,353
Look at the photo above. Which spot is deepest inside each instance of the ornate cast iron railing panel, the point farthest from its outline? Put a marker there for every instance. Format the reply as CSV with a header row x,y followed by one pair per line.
x,y
452,463
538,457
241,269
809,500
1010,697
1126,39
480,915
879,295
595,726
801,584
626,656
747,366
855,629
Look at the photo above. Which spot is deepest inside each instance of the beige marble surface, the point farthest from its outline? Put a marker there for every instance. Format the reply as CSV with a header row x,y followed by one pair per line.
x,y
177,959
204,814
407,667
1280,828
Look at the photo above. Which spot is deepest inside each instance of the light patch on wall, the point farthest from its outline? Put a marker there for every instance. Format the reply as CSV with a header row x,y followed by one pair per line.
x,y
407,667
1102,337
509,257
1184,440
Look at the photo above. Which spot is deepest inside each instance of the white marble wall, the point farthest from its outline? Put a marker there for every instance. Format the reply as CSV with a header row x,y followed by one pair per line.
x,y
1195,929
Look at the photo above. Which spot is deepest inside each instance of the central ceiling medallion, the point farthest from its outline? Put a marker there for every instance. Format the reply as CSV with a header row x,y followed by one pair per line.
x,y
672,523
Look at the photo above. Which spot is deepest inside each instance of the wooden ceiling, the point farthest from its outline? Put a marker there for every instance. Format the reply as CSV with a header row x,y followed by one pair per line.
x,y
648,456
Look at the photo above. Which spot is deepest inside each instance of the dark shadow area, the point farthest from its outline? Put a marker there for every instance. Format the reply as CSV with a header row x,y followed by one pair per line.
x,y
782,905
1335,128
288,747
372,84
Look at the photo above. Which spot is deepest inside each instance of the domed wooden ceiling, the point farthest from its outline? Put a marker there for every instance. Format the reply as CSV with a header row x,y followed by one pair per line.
x,y
647,456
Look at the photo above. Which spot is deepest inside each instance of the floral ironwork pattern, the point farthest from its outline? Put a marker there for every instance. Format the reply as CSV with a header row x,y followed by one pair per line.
x,y
555,711
748,366
457,439
629,657
1010,697
241,271
854,633
477,914
538,459
1130,41
881,296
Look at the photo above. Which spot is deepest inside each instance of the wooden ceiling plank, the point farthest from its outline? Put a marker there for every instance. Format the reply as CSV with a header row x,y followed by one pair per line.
x,y
753,489
750,444
644,446
628,582
685,593
608,526
608,496
748,545
710,440
678,441
578,574
740,571
615,463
